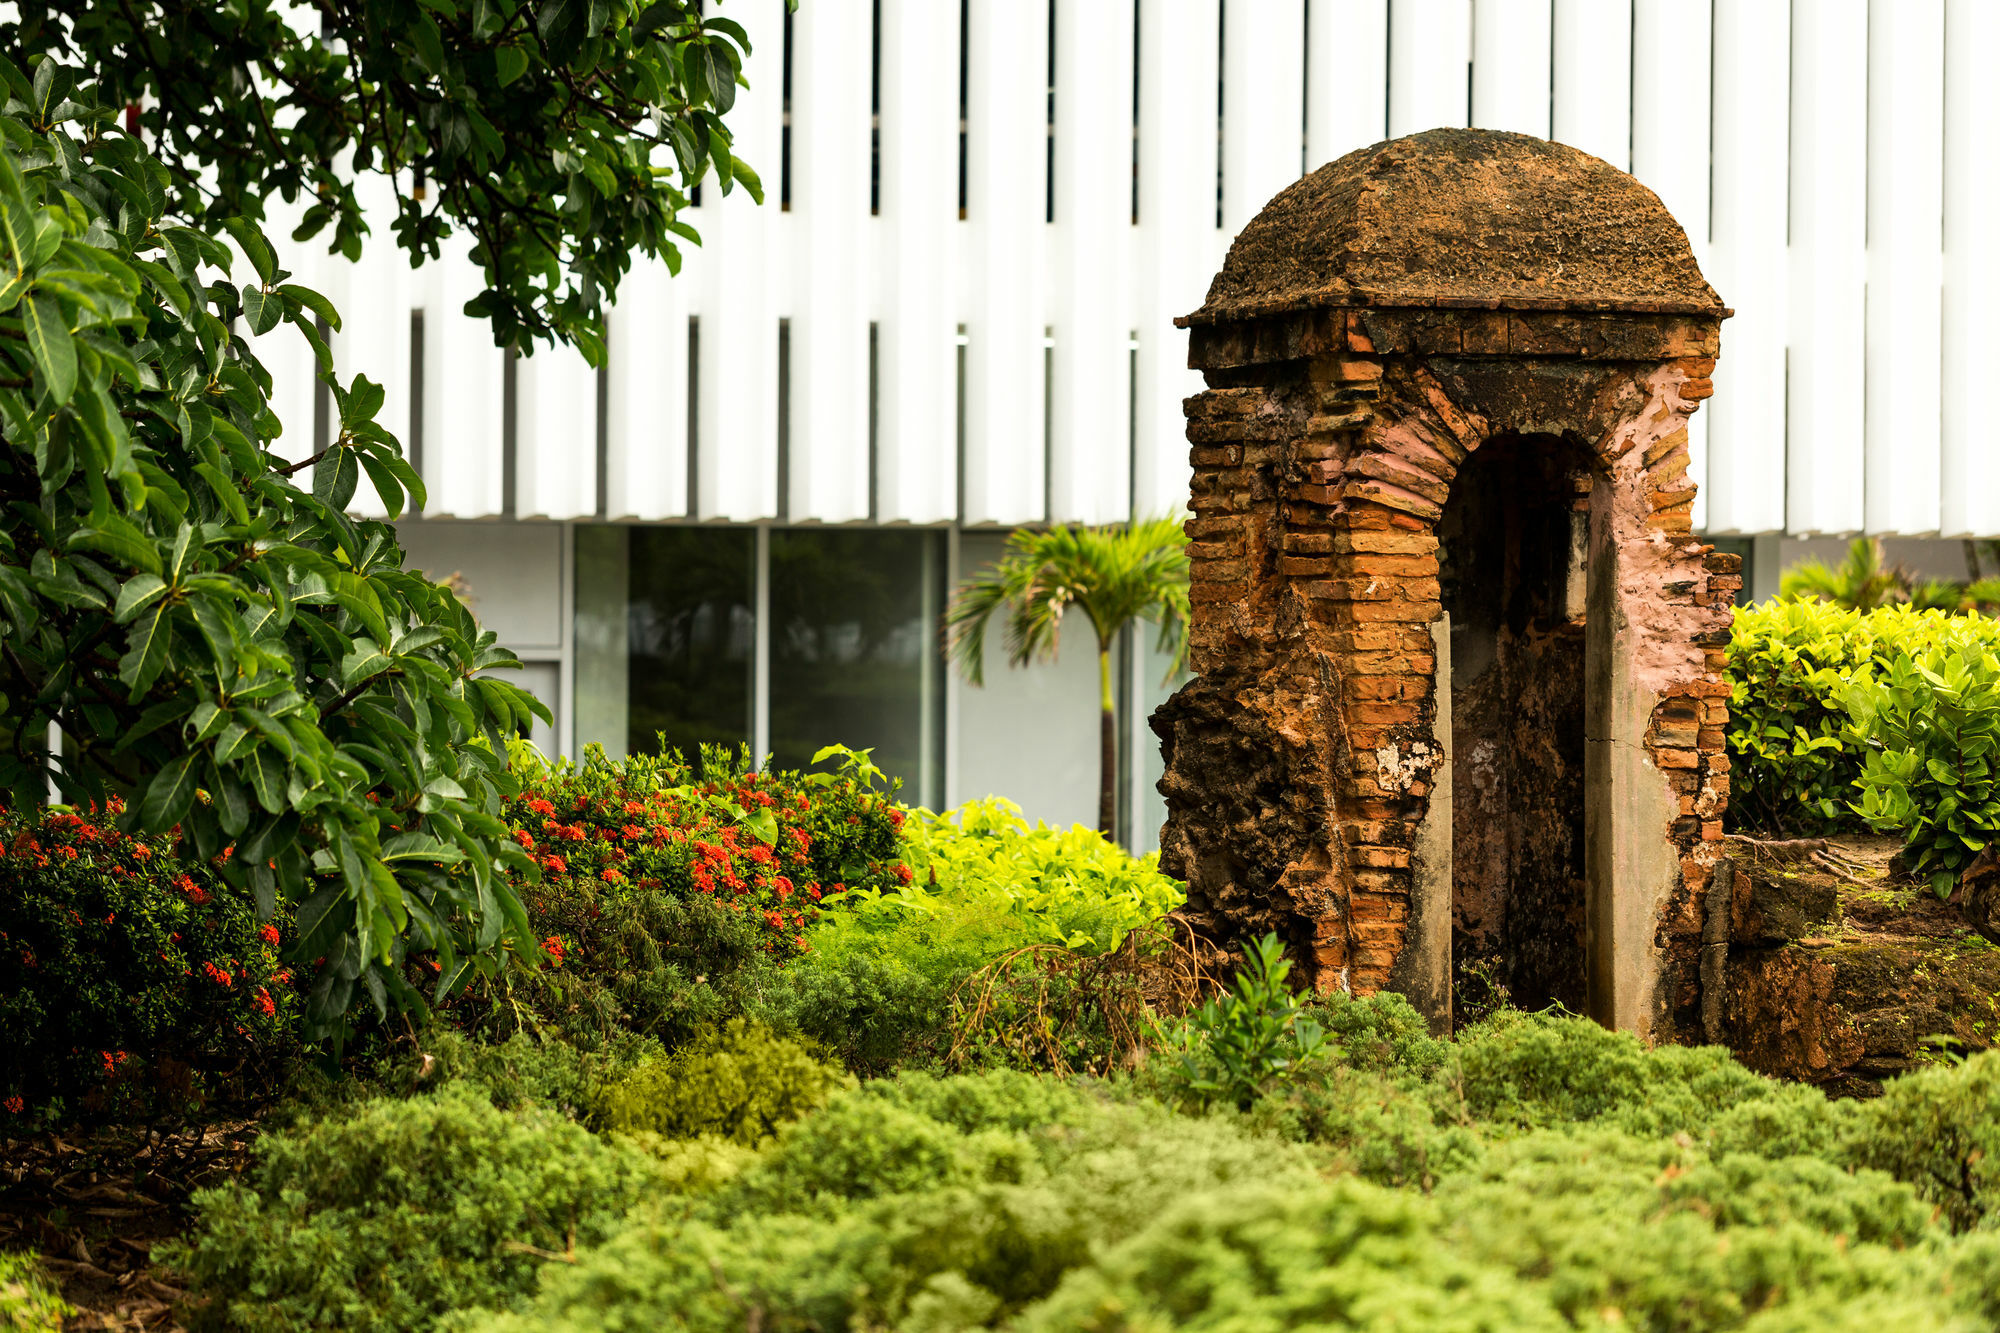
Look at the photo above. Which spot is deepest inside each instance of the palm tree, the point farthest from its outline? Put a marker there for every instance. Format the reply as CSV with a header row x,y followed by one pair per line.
x,y
1864,581
1113,575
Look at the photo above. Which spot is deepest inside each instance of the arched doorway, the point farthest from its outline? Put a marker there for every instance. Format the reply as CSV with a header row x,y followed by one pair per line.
x,y
1513,557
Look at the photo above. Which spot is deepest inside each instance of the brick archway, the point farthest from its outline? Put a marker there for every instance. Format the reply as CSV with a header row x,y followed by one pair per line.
x,y
1381,322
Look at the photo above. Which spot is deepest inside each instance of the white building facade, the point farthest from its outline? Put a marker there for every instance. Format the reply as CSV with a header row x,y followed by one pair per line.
x,y
953,316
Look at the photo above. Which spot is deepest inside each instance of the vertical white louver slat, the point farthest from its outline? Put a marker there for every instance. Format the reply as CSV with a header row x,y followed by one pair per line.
x,y
555,434
1746,464
1090,465
1263,104
1971,453
1905,262
1829,263
1007,145
1178,66
1510,65
831,70
1430,43
917,359
646,410
736,466
464,392
1593,79
1347,62
1670,136
374,338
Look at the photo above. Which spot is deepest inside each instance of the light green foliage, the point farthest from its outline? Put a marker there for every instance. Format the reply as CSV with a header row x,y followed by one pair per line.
x,y
917,1203
884,966
1245,1041
741,1085
1938,1129
191,618
1796,761
28,1301
386,1217
1535,1070
1931,727
1072,887
1342,1256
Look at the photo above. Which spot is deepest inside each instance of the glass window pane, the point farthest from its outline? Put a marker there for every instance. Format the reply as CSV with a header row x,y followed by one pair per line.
x,y
854,658
691,631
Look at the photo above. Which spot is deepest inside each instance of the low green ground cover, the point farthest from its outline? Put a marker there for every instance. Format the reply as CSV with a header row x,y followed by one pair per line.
x,y
969,1087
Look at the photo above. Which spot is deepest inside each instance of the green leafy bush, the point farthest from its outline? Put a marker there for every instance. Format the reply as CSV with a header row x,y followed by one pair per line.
x,y
130,972
1795,762
666,888
1938,1129
28,1302
743,1086
1073,887
386,1217
189,616
1931,723
1245,1041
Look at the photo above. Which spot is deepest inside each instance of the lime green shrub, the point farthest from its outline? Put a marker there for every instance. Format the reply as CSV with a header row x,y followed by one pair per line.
x,y
388,1216
884,981
1939,1130
742,1086
1794,763
28,1301
1931,725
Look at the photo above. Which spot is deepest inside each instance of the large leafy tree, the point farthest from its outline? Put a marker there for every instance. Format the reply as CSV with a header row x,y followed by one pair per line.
x,y
563,135
224,650
1113,576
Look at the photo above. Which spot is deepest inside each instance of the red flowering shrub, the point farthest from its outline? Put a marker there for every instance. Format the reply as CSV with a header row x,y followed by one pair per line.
x,y
661,881
129,970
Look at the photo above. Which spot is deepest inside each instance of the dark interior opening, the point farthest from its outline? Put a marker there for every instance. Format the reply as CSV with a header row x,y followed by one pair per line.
x,y
1513,547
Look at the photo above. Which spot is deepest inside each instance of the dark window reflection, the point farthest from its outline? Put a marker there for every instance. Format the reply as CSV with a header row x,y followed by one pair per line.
x,y
692,624
853,648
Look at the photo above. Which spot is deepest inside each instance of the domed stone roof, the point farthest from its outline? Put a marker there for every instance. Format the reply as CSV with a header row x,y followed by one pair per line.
x,y
1477,219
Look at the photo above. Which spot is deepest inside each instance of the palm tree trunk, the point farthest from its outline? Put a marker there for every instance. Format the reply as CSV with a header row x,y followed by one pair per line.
x,y
1107,753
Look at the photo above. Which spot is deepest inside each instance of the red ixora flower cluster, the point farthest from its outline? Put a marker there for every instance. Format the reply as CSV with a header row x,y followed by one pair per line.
x,y
769,846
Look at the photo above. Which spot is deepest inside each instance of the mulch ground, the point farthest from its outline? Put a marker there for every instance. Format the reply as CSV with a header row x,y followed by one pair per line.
x,y
95,1202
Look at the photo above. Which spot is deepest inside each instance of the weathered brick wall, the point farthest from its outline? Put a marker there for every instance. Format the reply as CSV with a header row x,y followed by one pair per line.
x,y
1300,761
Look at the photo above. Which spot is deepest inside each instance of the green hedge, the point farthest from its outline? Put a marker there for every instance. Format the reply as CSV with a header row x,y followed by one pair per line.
x,y
1843,720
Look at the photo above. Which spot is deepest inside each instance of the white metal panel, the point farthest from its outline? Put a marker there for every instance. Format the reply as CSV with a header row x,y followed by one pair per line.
x,y
1593,78
736,469
829,446
1007,143
1746,464
1263,105
1177,231
464,392
646,438
555,435
1829,265
1090,462
1430,47
1971,453
1670,137
1347,77
1905,262
1510,65
916,431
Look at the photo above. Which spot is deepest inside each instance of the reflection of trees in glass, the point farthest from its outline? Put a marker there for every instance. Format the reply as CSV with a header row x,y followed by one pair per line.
x,y
692,629
850,644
